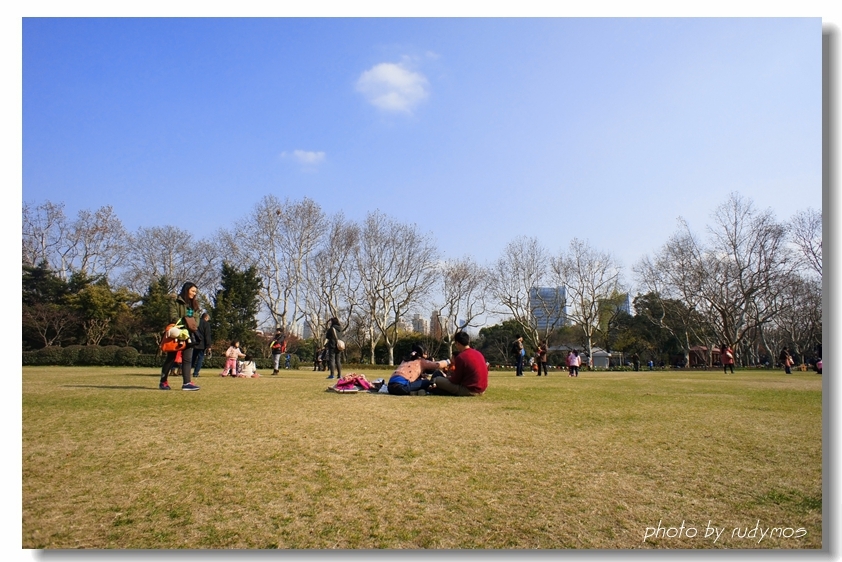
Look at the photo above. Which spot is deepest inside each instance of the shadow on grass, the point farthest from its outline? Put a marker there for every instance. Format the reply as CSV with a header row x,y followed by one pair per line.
x,y
110,387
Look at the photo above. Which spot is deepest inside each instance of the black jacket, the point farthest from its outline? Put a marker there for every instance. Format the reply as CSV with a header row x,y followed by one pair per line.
x,y
205,341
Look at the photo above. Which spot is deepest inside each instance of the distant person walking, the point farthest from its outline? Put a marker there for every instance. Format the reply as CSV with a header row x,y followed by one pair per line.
x,y
334,355
635,361
573,363
786,360
541,358
184,310
205,342
726,357
518,352
278,346
317,359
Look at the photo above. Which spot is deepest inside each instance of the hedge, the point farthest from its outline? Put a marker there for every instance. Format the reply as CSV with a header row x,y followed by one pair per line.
x,y
116,356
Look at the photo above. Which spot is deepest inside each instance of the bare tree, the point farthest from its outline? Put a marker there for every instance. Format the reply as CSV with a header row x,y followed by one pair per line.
x,y
735,277
279,239
670,280
799,321
303,228
523,266
98,242
331,277
806,230
591,277
395,264
45,233
464,287
93,244
49,320
172,252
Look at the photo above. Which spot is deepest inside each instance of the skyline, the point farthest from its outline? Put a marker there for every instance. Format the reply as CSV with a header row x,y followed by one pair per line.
x,y
477,130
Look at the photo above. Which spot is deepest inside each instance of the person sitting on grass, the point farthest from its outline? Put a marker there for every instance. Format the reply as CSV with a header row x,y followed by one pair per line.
x,y
249,370
469,376
411,376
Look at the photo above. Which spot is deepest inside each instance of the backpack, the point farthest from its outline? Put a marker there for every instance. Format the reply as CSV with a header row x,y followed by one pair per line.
x,y
177,343
515,348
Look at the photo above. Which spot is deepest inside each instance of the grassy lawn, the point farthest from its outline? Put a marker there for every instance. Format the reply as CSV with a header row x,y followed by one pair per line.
x,y
597,461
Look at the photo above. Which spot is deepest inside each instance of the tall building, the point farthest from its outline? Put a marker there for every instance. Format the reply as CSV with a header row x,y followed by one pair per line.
x,y
404,326
435,325
420,325
549,307
622,303
626,305
308,331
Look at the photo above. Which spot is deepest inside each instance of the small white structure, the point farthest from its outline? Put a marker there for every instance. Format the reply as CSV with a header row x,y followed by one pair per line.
x,y
601,358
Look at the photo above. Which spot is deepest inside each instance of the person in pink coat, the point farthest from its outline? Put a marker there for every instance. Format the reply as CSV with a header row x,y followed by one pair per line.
x,y
726,357
231,355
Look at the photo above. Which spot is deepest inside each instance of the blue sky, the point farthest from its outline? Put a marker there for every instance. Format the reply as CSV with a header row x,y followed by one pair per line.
x,y
477,130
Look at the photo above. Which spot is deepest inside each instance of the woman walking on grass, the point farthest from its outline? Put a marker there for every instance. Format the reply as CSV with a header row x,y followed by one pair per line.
x,y
184,309
726,357
332,337
786,360
541,358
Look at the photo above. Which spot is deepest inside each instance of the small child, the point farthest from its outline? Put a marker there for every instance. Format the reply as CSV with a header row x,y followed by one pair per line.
x,y
231,355
249,369
175,370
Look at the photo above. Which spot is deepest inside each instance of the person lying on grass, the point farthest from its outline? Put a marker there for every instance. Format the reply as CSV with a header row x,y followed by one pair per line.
x,y
351,382
413,373
469,375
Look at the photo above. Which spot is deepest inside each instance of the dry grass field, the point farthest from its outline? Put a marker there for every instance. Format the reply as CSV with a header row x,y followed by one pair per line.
x,y
649,460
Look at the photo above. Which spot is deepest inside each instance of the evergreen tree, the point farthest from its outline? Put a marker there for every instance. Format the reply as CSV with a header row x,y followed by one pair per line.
x,y
154,312
234,313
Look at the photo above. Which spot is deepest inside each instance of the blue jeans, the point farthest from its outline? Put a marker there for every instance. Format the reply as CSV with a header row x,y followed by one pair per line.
x,y
334,362
401,389
198,360
519,365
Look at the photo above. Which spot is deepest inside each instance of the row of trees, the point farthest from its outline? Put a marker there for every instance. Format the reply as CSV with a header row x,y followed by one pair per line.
x,y
751,281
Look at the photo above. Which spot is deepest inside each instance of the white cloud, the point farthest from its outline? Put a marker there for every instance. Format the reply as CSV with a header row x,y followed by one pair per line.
x,y
392,87
306,157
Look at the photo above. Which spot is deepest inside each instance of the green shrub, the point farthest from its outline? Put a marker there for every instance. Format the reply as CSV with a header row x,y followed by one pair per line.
x,y
126,356
70,355
91,355
150,360
29,358
50,356
109,354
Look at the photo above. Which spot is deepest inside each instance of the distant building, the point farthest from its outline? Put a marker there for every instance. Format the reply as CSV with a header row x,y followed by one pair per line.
x,y
307,331
435,325
420,325
549,307
623,303
626,305
404,326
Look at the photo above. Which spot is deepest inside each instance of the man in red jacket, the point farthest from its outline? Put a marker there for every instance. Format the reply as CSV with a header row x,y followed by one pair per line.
x,y
470,375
